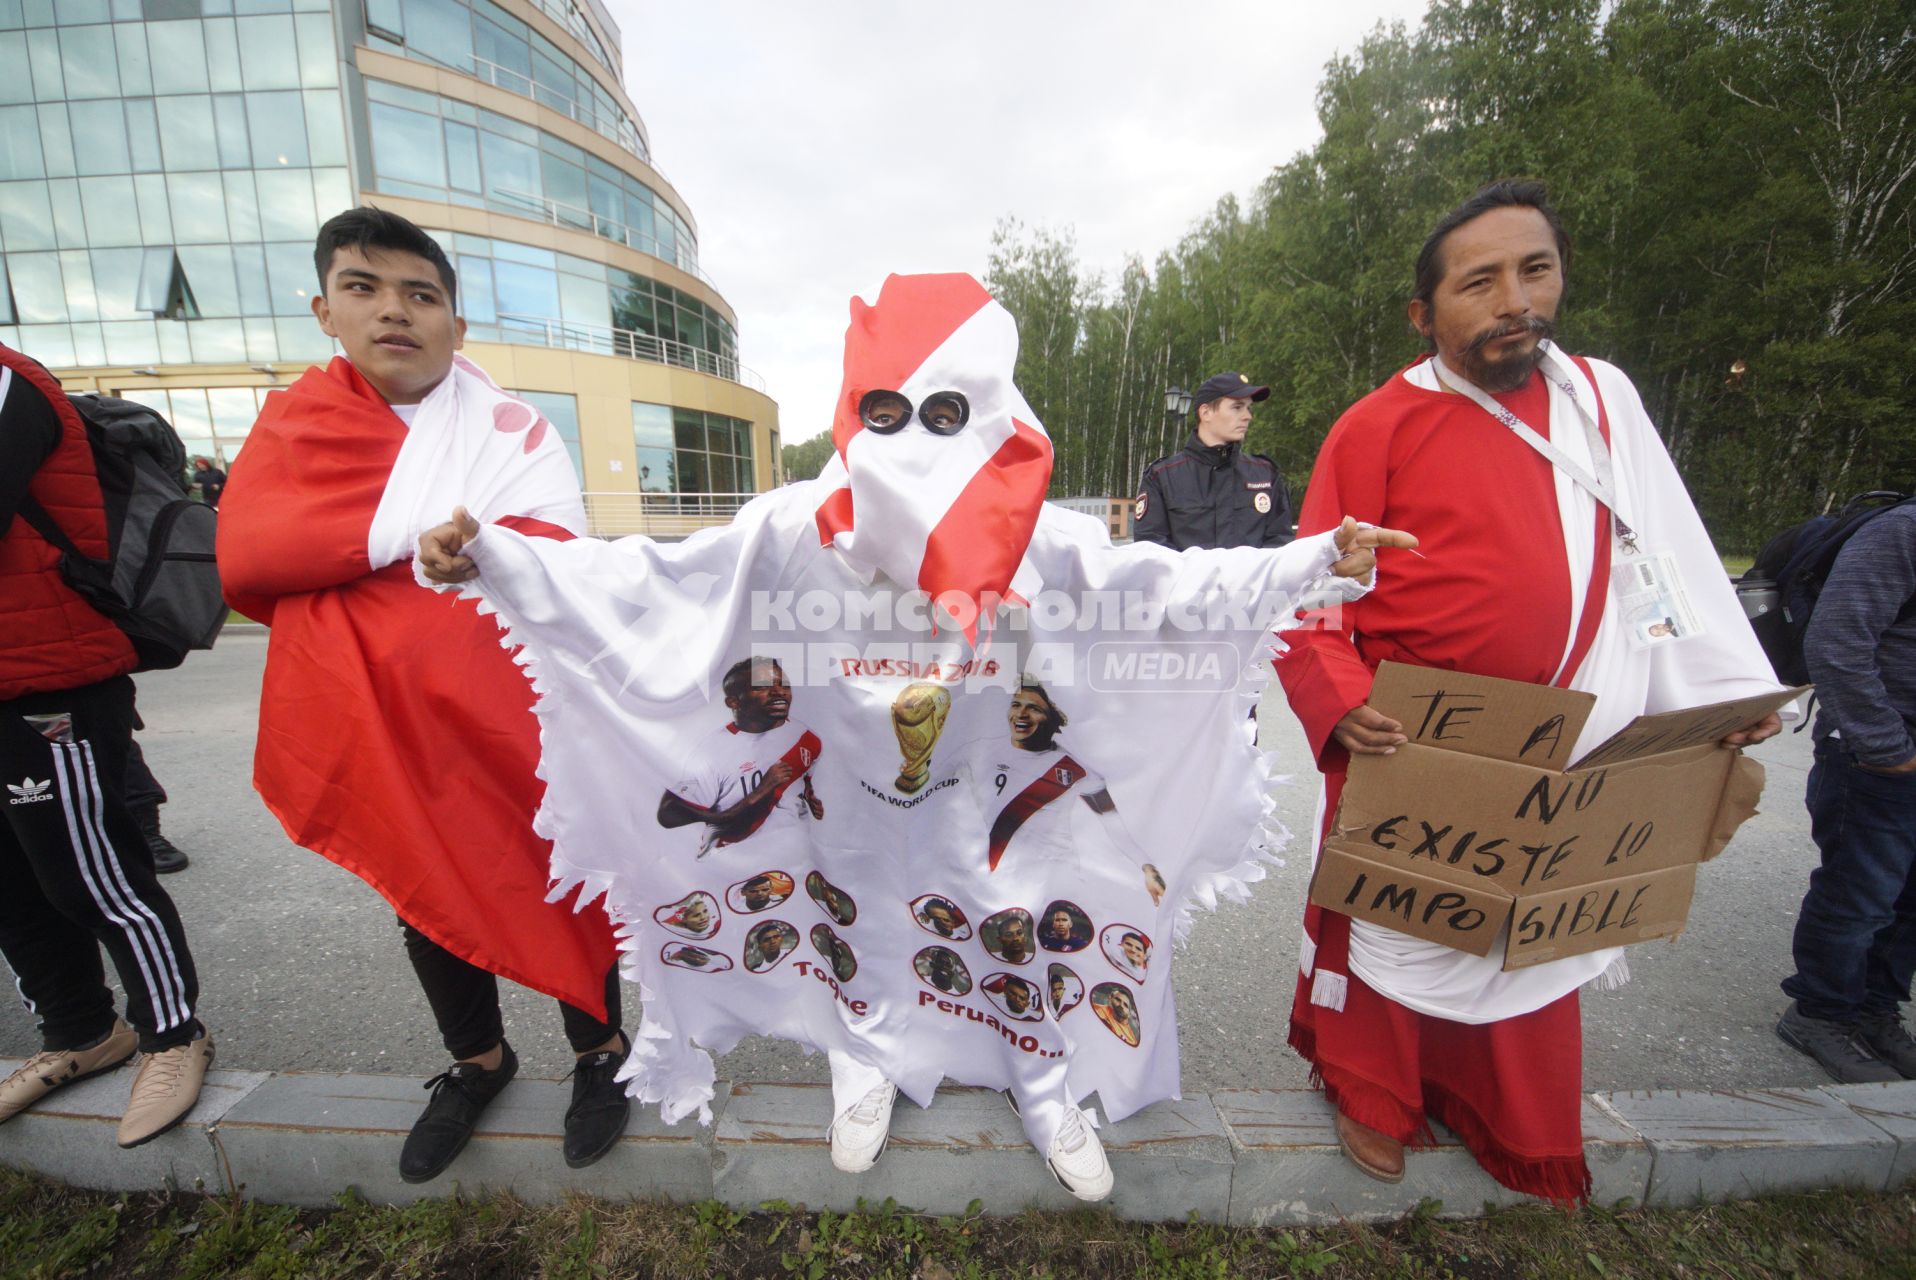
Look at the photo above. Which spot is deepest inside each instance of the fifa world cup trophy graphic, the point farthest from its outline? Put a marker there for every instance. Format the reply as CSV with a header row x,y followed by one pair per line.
x,y
918,717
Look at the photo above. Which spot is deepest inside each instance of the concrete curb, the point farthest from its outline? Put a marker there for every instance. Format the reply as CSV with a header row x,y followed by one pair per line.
x,y
1246,1157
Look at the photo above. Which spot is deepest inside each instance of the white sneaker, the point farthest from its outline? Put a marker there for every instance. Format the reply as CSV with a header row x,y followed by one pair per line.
x,y
859,1136
1077,1158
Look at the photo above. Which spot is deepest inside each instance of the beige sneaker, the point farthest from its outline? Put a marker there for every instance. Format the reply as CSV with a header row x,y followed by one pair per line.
x,y
44,1072
167,1086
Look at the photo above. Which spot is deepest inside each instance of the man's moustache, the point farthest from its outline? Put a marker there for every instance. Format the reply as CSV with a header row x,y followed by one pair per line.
x,y
1537,325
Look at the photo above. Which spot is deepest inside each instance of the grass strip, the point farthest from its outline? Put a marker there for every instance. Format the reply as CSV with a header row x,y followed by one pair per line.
x,y
48,1231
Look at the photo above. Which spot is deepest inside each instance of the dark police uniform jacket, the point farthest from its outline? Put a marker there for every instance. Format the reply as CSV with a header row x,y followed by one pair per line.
x,y
1213,496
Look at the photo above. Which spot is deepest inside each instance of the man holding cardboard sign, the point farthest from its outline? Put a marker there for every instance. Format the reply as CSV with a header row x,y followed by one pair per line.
x,y
1517,462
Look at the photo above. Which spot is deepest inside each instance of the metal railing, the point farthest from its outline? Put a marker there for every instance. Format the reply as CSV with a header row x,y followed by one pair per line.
x,y
557,213
573,21
620,131
660,515
607,340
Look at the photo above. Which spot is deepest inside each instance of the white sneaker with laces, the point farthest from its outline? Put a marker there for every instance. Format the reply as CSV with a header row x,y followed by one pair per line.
x,y
859,1136
1077,1158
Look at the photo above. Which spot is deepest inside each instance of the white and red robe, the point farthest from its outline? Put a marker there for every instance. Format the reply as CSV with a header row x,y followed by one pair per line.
x,y
1394,1027
396,736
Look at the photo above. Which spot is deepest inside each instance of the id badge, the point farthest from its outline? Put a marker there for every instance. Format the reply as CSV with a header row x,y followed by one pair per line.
x,y
1652,602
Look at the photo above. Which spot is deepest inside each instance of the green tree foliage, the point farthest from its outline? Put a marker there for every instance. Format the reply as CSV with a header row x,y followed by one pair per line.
x,y
1738,177
804,460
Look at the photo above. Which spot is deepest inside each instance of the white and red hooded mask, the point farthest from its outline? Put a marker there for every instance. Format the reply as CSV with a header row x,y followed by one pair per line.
x,y
941,466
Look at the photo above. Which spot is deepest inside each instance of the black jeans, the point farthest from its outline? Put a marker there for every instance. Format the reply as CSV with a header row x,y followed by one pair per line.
x,y
1855,943
76,875
465,1002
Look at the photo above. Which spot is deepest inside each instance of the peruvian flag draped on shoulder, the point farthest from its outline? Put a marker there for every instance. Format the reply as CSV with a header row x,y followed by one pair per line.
x,y
396,736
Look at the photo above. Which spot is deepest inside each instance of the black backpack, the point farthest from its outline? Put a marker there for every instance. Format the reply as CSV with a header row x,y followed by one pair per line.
x,y
1780,590
158,583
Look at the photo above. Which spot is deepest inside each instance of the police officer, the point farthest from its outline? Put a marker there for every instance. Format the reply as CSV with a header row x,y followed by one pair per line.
x,y
1211,493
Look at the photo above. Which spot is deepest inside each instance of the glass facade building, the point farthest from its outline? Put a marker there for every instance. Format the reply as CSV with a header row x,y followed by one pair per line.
x,y
165,164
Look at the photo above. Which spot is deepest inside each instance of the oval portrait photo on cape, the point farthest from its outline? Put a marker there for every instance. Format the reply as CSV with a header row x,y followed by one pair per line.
x,y
837,903
696,915
760,893
686,956
941,969
1128,949
1007,935
835,951
940,915
1064,926
1014,997
1117,1010
767,944
1065,988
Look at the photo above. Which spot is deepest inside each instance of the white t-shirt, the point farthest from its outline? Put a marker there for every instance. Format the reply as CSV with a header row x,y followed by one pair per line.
x,y
1000,772
729,763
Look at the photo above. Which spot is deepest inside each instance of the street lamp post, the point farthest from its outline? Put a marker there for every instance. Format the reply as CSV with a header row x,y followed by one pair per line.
x,y
1177,404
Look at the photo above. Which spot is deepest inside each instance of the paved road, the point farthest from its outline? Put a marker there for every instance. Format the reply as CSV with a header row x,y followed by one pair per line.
x,y
302,965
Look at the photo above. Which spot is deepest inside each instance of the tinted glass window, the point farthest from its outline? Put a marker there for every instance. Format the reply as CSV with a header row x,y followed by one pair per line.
x,y
407,144
268,53
20,143
179,57
90,61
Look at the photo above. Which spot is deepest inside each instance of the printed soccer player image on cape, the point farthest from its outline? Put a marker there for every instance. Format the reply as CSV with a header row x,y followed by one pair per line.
x,y
944,708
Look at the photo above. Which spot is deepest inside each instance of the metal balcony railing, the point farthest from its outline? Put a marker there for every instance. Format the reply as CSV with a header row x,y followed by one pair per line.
x,y
559,214
660,515
620,131
573,21
607,340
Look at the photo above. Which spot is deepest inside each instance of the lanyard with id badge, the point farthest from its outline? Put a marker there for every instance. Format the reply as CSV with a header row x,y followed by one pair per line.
x,y
1647,583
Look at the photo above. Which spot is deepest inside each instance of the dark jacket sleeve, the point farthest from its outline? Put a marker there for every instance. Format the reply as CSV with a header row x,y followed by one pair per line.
x,y
29,433
1873,579
1154,525
1277,525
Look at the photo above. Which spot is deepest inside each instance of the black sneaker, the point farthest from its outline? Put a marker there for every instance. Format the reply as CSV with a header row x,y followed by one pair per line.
x,y
459,1095
1886,1034
1838,1047
167,858
597,1115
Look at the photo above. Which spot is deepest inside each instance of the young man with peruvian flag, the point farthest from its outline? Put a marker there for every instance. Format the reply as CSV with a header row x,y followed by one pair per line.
x,y
1515,462
396,737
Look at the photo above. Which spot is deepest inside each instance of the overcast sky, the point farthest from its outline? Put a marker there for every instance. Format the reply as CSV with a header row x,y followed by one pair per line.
x,y
826,143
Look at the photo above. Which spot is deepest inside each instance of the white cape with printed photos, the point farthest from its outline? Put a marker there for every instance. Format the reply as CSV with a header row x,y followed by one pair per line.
x,y
863,913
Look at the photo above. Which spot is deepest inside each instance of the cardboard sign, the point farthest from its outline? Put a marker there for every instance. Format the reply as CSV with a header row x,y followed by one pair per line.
x,y
1675,730
1464,916
1569,922
1475,834
1521,830
1481,715
1740,795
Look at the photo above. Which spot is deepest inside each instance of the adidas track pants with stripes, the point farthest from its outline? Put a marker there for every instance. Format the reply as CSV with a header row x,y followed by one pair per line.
x,y
76,875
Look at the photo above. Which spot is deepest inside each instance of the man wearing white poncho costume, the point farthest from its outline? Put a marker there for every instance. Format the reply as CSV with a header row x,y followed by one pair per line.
x,y
905,596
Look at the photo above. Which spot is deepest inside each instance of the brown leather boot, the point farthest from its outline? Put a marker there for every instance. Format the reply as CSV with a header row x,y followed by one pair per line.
x,y
1378,1155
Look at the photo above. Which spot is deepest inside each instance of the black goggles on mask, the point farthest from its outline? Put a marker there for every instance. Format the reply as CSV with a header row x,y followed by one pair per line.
x,y
944,413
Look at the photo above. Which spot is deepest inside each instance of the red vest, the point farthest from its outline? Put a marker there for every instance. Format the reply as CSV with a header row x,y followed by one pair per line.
x,y
52,639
